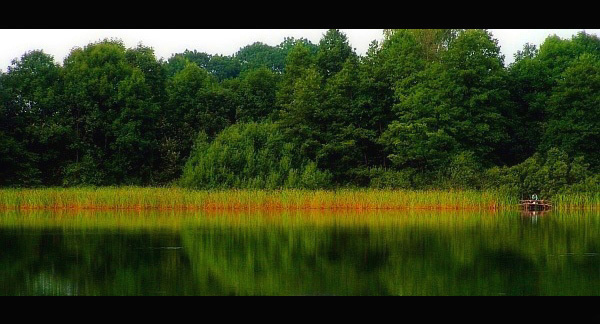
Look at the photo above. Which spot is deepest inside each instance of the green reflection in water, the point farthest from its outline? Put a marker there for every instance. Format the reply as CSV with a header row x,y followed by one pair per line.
x,y
299,253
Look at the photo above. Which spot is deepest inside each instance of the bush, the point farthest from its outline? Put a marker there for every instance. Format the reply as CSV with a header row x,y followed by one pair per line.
x,y
381,178
547,175
464,171
253,156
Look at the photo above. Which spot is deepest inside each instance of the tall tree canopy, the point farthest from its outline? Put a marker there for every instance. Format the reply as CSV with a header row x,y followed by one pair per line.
x,y
34,121
422,108
453,104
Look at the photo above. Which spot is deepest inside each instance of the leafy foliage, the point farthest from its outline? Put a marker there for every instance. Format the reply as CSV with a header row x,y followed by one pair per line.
x,y
425,109
250,156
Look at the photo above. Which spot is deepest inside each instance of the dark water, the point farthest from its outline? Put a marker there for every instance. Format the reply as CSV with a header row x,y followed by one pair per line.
x,y
301,253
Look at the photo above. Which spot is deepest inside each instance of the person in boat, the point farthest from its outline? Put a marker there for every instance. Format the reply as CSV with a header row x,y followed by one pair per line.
x,y
534,197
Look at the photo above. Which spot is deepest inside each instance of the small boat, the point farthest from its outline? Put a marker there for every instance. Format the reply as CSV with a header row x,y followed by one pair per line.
x,y
535,204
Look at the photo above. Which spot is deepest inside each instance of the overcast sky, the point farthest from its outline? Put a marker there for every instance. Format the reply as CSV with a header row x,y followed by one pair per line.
x,y
58,42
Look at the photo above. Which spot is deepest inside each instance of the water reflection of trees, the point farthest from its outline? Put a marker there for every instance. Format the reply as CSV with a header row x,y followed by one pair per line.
x,y
398,255
57,262
557,257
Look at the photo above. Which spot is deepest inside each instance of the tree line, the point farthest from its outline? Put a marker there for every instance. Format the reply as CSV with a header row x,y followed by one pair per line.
x,y
428,108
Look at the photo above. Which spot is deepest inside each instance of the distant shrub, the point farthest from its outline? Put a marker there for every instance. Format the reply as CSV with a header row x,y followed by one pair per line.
x,y
84,172
464,171
382,178
253,156
547,175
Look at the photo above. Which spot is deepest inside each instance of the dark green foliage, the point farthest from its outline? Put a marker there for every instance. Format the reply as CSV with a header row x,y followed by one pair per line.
x,y
390,179
573,110
528,84
325,109
113,109
33,122
195,103
334,50
17,165
259,55
257,92
546,174
154,72
534,80
220,66
422,109
464,171
453,104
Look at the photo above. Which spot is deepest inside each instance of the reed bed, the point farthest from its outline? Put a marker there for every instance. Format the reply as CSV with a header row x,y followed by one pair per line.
x,y
172,198
143,198
590,200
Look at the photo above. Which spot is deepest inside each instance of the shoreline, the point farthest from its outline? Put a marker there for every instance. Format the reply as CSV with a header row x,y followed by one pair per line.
x,y
172,198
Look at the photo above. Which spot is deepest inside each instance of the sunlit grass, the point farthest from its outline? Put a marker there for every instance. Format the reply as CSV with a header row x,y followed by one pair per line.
x,y
143,198
577,200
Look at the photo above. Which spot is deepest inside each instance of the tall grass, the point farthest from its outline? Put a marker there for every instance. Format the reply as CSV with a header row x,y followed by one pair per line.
x,y
586,200
178,198
142,198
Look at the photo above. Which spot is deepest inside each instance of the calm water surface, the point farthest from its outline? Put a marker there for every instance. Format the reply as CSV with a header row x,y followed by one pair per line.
x,y
299,253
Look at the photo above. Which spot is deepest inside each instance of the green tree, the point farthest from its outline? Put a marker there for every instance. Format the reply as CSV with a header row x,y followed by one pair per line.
x,y
452,105
155,74
113,114
285,47
533,77
195,103
224,67
34,121
297,62
323,113
257,92
221,66
260,55
402,54
334,50
347,132
432,42
299,115
573,121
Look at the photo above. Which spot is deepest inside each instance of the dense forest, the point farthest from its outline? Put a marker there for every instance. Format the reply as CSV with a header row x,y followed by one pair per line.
x,y
421,109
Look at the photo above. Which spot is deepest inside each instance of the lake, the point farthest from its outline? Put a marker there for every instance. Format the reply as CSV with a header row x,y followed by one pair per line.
x,y
299,253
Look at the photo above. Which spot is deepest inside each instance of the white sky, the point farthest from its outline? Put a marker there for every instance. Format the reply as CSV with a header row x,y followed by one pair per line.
x,y
58,42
